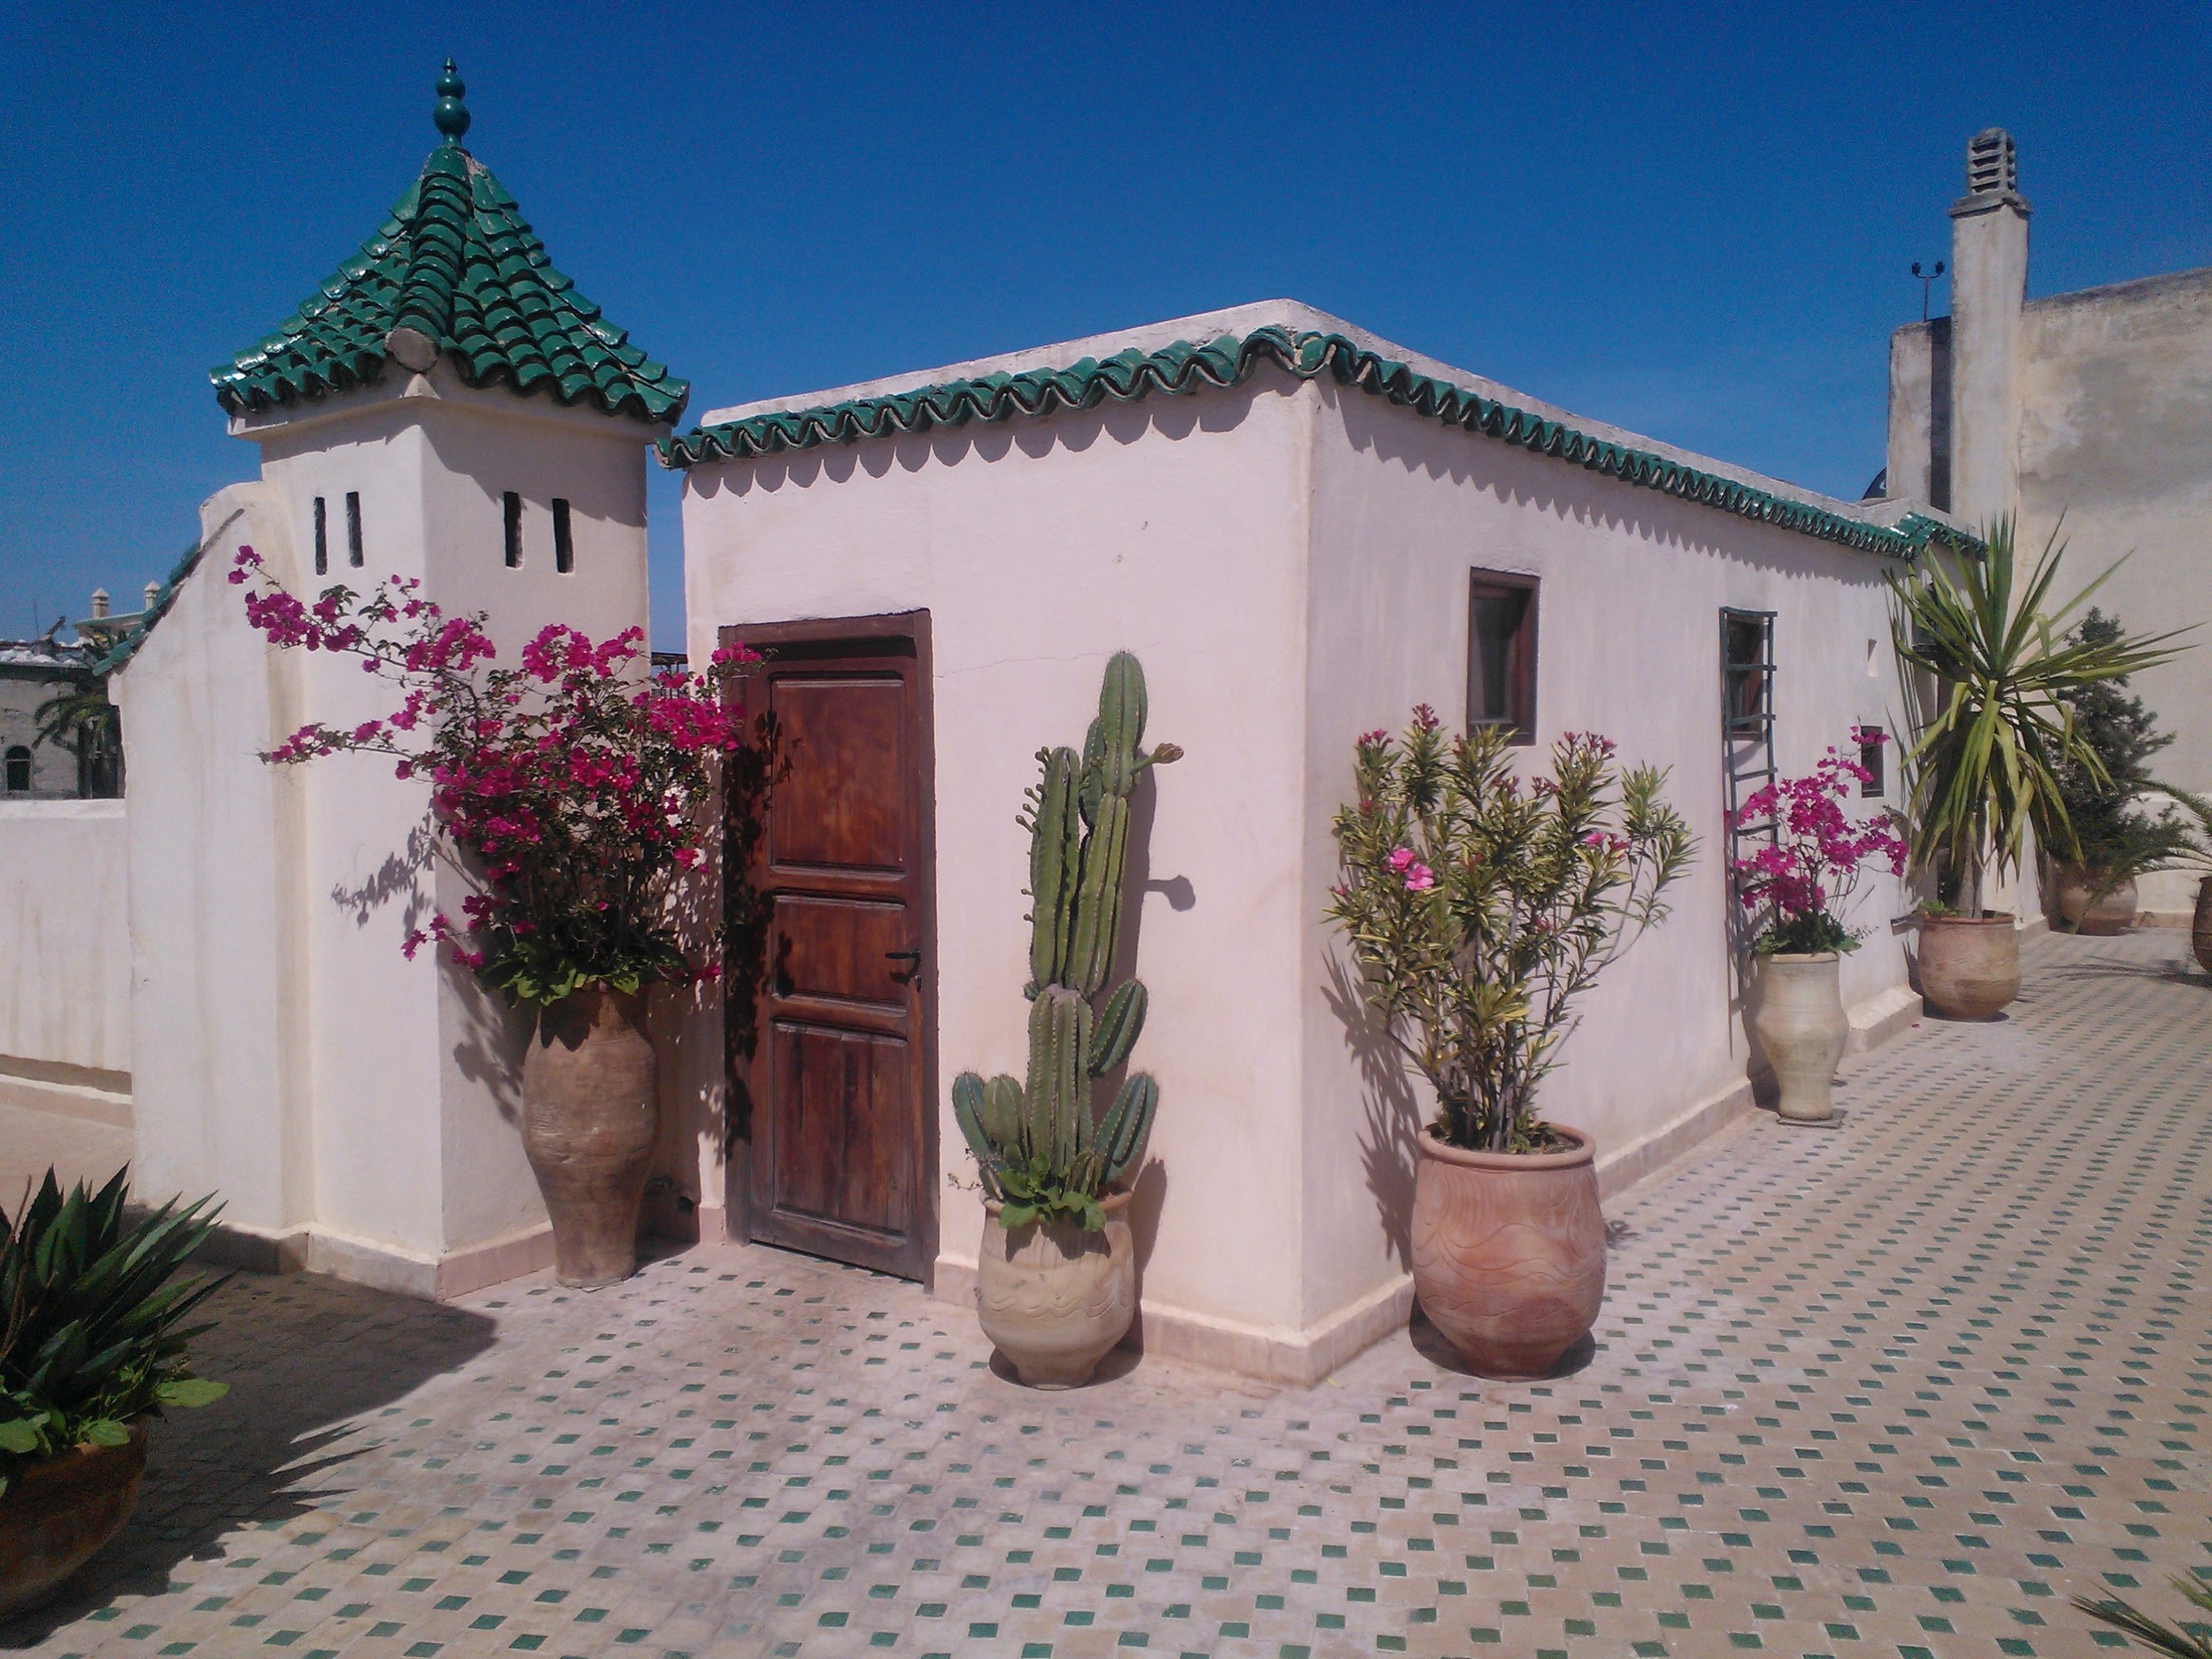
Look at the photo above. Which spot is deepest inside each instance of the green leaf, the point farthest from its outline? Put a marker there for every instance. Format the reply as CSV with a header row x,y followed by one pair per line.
x,y
19,1436
1012,1216
190,1391
106,1432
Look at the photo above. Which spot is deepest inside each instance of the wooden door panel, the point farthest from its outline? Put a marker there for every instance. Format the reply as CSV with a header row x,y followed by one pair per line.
x,y
846,736
837,1152
845,951
840,1170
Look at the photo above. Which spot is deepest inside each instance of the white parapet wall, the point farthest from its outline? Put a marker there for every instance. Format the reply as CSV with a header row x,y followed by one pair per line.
x,y
65,958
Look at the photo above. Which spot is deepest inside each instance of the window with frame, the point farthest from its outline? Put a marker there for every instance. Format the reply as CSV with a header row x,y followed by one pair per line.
x,y
1501,653
19,769
1871,749
1747,672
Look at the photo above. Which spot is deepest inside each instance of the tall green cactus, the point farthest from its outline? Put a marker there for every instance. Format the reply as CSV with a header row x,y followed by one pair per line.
x,y
1039,1151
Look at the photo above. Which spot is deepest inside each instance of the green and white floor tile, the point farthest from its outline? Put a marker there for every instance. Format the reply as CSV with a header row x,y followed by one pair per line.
x,y
1899,1390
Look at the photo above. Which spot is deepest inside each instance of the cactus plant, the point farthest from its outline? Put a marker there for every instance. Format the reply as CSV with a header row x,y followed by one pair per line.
x,y
1042,1152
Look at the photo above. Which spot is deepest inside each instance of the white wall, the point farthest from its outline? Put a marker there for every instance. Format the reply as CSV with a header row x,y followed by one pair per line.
x,y
1633,584
64,939
1182,529
217,979
1171,528
415,1086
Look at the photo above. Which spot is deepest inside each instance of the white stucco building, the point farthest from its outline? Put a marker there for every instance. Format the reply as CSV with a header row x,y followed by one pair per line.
x,y
1302,531
2092,408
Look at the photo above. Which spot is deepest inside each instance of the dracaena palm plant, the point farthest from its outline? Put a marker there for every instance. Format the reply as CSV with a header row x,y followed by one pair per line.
x,y
92,1318
1989,667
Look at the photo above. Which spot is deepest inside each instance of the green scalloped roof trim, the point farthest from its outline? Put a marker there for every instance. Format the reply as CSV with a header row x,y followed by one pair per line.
x,y
1183,368
457,263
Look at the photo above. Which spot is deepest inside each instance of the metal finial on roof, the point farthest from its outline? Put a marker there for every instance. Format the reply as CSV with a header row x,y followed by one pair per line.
x,y
451,115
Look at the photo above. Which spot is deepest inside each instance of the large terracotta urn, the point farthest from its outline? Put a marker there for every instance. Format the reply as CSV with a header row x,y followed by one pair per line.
x,y
2090,912
1969,965
2200,925
58,1512
589,1118
1801,1025
1508,1251
1056,1297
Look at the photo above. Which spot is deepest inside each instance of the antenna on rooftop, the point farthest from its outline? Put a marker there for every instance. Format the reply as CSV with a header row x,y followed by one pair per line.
x,y
1927,281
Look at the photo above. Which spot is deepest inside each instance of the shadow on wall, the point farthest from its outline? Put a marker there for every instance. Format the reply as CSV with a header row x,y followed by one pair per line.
x,y
305,1358
1137,879
1392,1114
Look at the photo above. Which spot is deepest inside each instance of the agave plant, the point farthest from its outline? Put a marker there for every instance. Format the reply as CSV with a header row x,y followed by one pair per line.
x,y
2187,1641
1990,710
92,1312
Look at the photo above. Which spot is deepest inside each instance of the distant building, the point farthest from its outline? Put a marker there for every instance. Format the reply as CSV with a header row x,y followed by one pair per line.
x,y
2095,408
34,673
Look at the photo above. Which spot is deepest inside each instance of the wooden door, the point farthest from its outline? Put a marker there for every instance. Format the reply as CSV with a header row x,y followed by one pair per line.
x,y
836,1155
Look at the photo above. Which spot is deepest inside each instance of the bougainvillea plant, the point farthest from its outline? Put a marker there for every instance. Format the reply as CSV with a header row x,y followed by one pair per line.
x,y
1800,884
568,786
1479,906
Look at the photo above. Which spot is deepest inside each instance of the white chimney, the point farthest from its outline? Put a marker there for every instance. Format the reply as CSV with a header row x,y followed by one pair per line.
x,y
153,592
99,604
1989,284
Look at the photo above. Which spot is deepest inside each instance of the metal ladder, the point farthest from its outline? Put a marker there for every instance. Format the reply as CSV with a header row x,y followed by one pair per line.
x,y
1746,683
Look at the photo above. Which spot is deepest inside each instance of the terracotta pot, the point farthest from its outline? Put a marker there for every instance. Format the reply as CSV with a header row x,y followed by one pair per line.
x,y
589,1118
56,1514
2113,913
1508,1253
1801,1025
1056,1299
1969,965
2200,928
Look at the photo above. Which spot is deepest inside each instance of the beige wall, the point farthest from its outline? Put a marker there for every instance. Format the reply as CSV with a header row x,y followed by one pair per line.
x,y
2116,436
65,940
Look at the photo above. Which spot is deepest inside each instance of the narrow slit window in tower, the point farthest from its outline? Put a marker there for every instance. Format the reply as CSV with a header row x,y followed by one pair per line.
x,y
514,530
322,537
564,545
353,528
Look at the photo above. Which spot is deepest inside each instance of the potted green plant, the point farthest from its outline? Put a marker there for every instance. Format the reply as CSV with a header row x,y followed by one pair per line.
x,y
1986,665
1055,1275
570,791
1800,884
1479,906
92,1345
2115,840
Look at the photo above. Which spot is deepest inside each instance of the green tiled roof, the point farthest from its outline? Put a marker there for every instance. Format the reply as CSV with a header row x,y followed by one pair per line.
x,y
456,271
1182,368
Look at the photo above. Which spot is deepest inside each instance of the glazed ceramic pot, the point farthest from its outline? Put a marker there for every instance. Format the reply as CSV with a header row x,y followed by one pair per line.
x,y
57,1513
2112,913
1055,1297
2200,927
1801,1025
1508,1253
1969,965
588,1119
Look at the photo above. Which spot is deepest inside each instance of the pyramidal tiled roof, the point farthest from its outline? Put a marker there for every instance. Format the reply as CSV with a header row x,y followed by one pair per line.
x,y
455,272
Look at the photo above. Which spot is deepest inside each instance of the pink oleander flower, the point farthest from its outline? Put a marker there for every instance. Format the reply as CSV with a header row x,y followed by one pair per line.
x,y
1419,877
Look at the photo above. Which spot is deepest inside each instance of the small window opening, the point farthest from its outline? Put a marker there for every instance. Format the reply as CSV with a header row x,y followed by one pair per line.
x,y
1871,749
19,769
1747,672
322,537
353,528
1501,653
514,531
564,545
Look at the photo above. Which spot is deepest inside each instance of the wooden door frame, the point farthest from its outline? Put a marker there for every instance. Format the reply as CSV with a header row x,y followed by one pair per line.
x,y
822,637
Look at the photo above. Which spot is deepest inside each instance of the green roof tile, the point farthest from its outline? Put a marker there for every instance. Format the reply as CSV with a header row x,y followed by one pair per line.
x,y
456,264
1182,368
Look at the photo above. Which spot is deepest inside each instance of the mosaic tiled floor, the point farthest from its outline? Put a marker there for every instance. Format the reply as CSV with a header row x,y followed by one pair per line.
x,y
1898,1389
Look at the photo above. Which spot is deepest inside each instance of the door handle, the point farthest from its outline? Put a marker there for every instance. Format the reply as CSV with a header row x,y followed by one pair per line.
x,y
903,955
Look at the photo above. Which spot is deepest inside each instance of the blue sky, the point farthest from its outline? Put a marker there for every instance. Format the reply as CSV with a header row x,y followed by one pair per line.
x,y
1693,222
